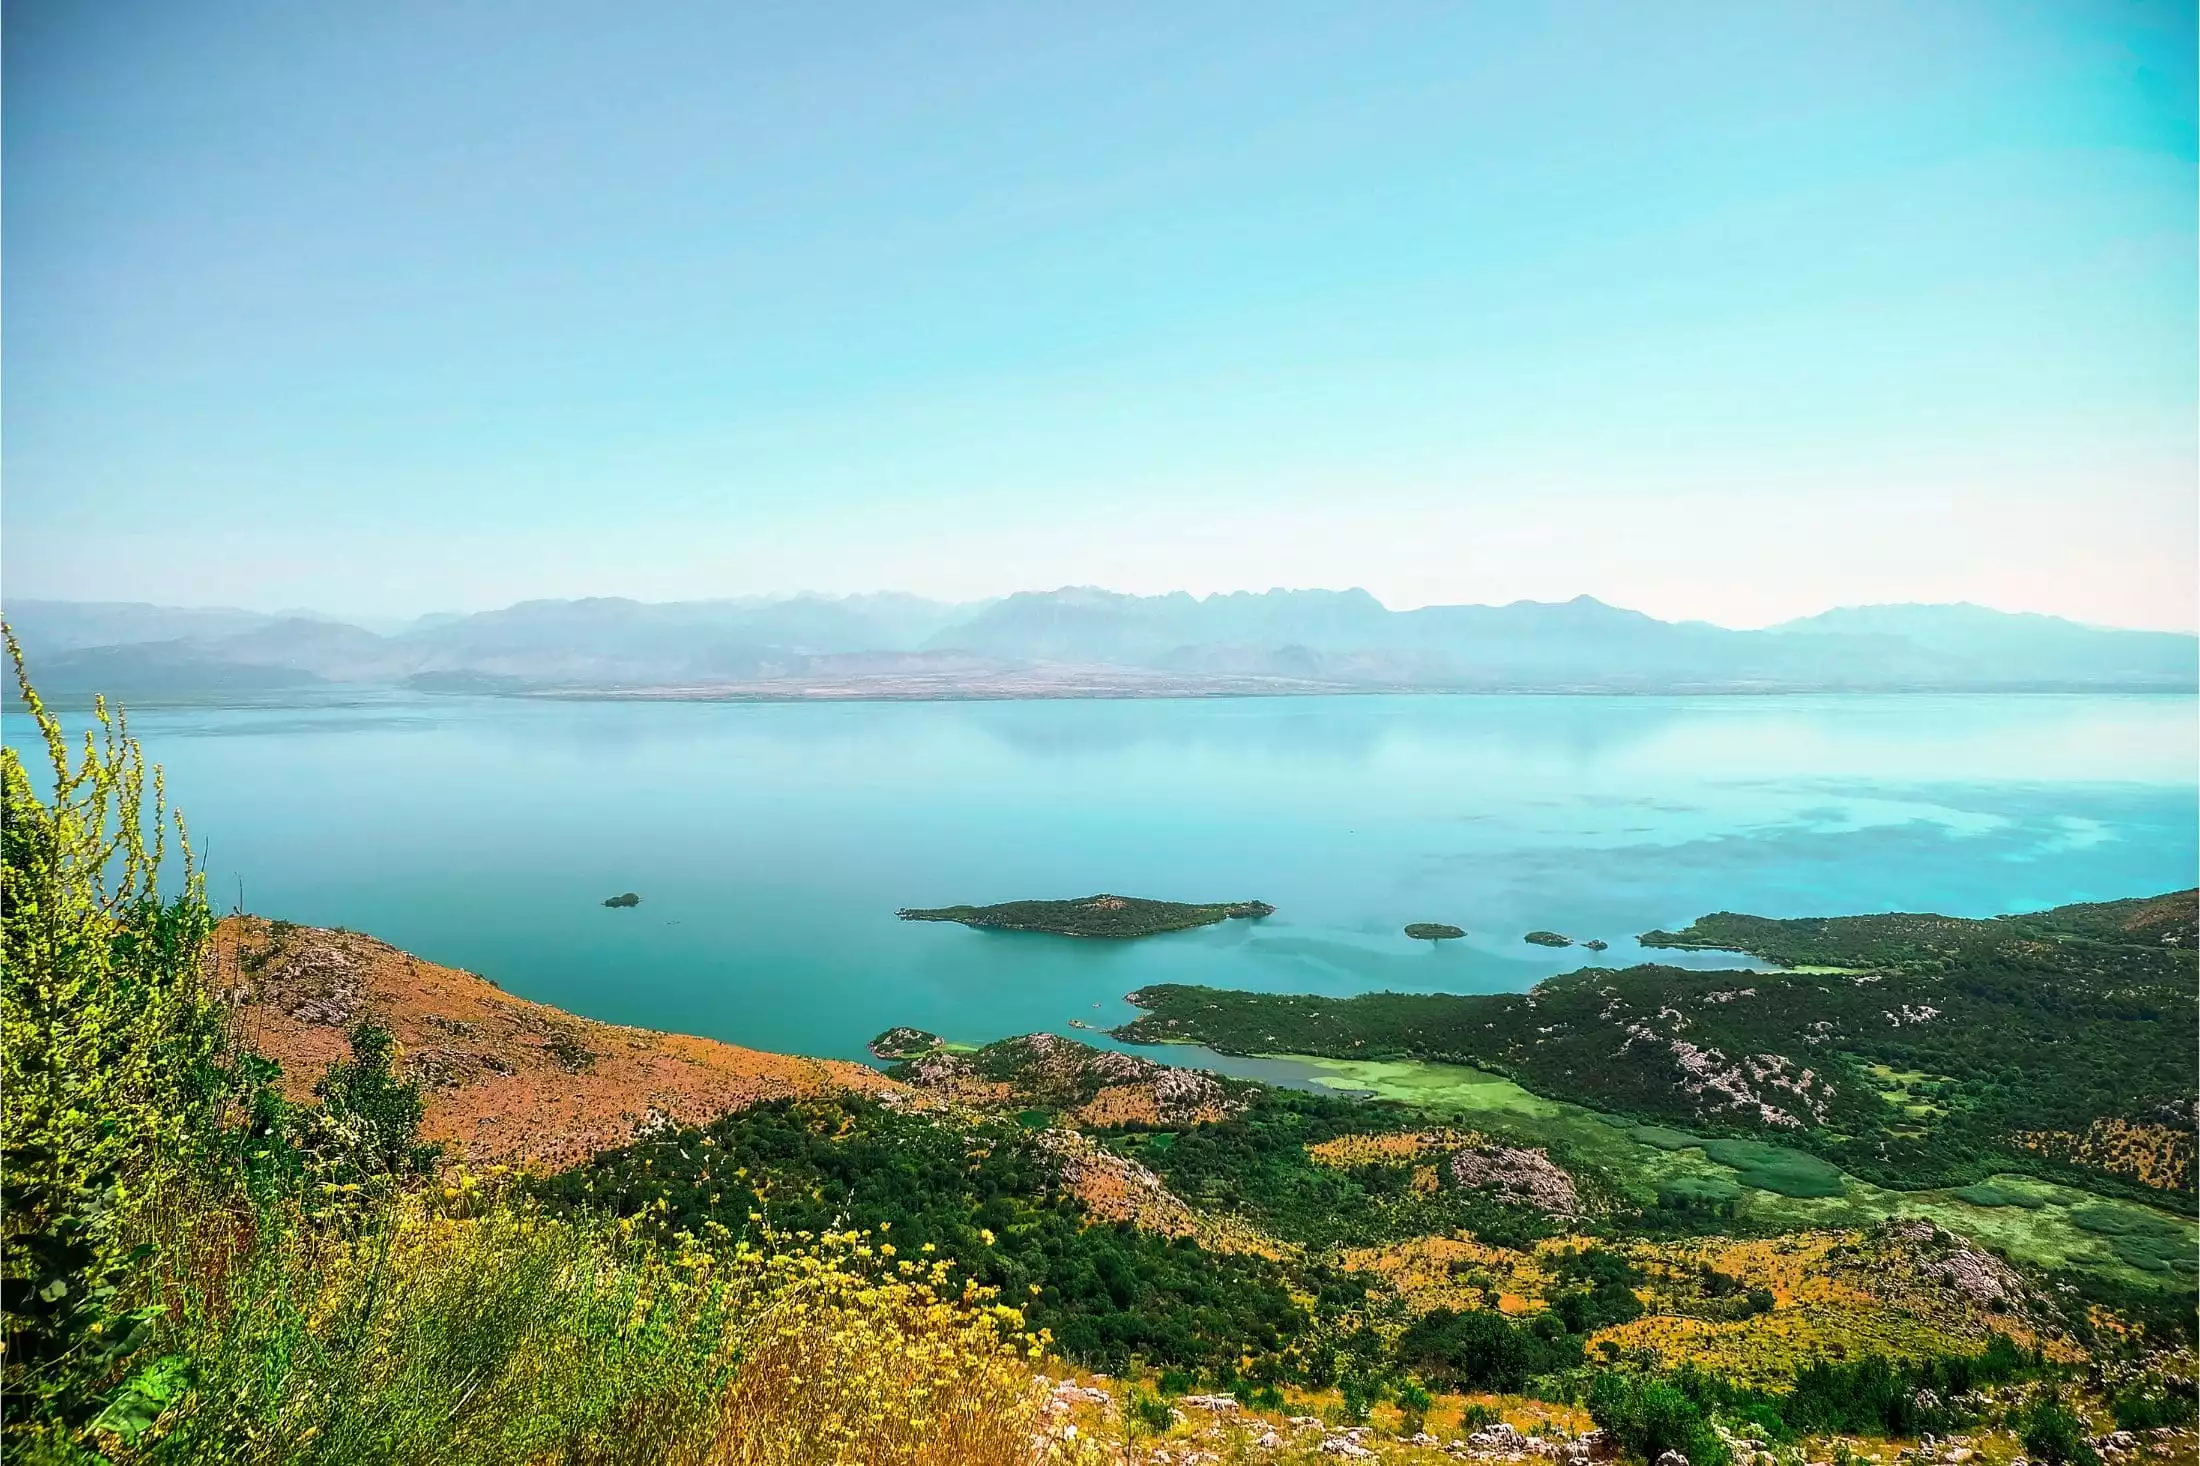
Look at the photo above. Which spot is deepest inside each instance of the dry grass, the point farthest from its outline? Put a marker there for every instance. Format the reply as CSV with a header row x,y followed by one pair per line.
x,y
1347,1152
2160,1156
1836,1295
507,1080
1461,1273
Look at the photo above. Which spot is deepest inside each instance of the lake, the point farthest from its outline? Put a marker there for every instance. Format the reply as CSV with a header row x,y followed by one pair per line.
x,y
772,843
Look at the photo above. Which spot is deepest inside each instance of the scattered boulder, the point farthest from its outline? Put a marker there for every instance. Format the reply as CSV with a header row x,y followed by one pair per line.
x,y
1978,1275
1518,1175
312,979
1498,1440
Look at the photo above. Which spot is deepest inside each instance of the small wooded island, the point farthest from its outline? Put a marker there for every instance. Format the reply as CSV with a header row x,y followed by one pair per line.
x,y
899,1044
624,898
1433,931
1548,939
1093,916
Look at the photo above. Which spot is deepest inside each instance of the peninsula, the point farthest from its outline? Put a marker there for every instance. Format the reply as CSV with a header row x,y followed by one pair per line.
x,y
1092,916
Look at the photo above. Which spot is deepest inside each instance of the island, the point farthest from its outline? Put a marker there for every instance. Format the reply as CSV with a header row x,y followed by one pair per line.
x,y
1596,944
624,898
1433,931
1548,939
1092,916
900,1044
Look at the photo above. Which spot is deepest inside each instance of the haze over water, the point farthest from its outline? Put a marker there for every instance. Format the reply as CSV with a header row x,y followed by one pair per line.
x,y
772,843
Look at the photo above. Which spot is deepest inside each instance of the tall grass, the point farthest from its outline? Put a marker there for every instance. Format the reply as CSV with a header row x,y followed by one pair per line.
x,y
465,1326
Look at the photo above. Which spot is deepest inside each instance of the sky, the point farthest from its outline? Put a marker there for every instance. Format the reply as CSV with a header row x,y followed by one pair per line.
x,y
1733,311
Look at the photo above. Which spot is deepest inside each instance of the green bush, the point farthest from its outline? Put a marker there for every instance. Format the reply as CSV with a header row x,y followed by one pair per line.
x,y
1150,1410
2052,1432
1649,1417
1484,1350
111,1074
2172,1402
1413,1402
373,1117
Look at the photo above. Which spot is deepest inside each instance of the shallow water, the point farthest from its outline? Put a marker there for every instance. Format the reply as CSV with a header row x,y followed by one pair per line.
x,y
772,843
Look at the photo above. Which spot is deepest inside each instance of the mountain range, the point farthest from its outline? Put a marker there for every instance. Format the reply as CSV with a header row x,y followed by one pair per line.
x,y
1081,641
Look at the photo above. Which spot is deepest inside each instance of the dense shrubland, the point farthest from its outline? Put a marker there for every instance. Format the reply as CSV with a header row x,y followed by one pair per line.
x,y
986,1194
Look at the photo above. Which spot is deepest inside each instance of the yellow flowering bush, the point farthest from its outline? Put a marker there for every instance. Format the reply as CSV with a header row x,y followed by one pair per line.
x,y
462,1323
849,1355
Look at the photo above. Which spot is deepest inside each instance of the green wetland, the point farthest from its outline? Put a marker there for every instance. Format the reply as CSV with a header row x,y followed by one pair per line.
x,y
1760,1185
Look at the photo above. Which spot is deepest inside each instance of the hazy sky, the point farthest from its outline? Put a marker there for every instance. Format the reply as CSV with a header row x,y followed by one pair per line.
x,y
1735,311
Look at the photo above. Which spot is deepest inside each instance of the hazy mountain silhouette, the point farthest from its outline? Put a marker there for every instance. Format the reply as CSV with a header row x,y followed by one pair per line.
x,y
1084,641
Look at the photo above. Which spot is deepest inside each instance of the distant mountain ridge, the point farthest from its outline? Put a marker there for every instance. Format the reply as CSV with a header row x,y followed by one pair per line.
x,y
1082,641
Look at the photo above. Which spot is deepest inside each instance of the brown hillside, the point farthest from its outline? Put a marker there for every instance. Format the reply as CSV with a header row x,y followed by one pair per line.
x,y
506,1080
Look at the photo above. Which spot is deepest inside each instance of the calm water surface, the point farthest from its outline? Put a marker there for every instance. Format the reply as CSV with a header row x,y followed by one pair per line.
x,y
772,843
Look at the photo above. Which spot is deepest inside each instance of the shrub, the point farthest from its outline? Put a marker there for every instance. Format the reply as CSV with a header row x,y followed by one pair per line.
x,y
843,1358
1360,1393
2052,1432
109,1058
1877,1396
1649,1417
1413,1402
1149,1410
2173,1403
371,1117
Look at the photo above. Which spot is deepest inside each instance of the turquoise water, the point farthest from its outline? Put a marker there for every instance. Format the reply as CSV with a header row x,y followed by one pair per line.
x,y
772,843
